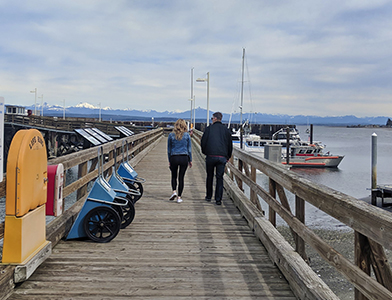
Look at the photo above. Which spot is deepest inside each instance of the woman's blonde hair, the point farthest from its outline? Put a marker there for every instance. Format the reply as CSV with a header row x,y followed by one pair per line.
x,y
179,129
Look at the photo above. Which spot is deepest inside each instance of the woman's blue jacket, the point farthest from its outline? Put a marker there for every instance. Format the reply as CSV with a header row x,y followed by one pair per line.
x,y
181,147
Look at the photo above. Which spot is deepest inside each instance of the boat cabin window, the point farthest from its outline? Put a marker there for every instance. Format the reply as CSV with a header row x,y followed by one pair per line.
x,y
235,138
249,143
301,151
256,144
309,151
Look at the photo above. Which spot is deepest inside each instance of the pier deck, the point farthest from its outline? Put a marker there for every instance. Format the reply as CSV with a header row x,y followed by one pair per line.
x,y
191,250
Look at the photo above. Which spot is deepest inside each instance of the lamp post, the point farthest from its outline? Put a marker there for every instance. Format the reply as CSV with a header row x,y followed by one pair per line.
x,y
194,111
99,119
191,117
208,94
64,109
191,99
35,102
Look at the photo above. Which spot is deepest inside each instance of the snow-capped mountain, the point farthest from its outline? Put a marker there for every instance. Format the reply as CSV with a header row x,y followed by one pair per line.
x,y
107,113
90,106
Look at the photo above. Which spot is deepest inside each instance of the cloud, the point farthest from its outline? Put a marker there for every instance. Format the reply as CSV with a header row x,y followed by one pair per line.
x,y
316,57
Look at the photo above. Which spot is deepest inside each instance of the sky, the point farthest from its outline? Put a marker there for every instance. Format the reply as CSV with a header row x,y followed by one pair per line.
x,y
303,57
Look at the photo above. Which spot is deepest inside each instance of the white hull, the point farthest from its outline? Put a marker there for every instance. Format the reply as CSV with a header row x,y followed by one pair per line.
x,y
315,161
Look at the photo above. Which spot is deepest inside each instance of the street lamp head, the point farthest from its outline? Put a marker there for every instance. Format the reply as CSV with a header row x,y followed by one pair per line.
x,y
201,79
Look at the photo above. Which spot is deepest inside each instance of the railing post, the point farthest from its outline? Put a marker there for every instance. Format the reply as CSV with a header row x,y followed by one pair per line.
x,y
362,259
272,192
253,195
111,155
239,181
300,214
82,171
232,162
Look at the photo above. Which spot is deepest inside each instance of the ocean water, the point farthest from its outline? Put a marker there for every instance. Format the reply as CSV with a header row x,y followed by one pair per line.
x,y
352,177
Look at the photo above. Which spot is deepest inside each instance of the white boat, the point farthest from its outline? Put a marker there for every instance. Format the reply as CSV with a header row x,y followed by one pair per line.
x,y
253,142
302,153
311,156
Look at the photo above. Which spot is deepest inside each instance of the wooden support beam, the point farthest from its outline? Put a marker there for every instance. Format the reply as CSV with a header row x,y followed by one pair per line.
x,y
253,195
299,243
272,192
82,172
300,214
362,259
238,179
246,169
380,264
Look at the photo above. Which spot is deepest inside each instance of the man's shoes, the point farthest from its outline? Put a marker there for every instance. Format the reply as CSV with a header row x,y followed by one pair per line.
x,y
218,202
207,199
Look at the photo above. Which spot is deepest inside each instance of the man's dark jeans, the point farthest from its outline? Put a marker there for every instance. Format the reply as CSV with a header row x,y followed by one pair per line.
x,y
217,163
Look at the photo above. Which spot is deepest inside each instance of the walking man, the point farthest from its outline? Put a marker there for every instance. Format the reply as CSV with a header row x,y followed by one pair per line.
x,y
217,145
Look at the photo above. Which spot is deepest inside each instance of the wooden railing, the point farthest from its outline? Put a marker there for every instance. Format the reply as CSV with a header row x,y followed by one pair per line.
x,y
86,163
69,124
372,227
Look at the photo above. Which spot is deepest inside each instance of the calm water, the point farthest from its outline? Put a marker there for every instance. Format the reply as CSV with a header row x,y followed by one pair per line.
x,y
352,177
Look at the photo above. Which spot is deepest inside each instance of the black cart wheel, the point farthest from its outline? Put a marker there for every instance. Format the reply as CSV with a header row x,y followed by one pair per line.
x,y
127,213
135,186
130,197
102,224
119,210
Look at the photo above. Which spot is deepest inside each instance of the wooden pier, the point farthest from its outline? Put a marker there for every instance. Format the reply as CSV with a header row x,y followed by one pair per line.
x,y
191,250
197,250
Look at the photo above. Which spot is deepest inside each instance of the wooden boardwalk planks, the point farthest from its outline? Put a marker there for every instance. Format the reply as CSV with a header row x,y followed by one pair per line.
x,y
191,250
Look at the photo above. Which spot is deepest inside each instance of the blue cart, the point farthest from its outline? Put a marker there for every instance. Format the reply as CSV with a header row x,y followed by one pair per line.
x,y
129,175
101,216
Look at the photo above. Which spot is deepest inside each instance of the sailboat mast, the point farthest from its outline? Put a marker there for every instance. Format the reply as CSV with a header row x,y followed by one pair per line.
x,y
242,99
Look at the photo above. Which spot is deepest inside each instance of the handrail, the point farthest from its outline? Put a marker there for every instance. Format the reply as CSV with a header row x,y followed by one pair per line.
x,y
372,225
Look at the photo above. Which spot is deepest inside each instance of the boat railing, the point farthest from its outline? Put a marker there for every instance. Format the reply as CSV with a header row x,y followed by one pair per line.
x,y
370,225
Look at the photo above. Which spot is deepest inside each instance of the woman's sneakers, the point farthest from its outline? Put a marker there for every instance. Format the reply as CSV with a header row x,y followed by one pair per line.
x,y
174,196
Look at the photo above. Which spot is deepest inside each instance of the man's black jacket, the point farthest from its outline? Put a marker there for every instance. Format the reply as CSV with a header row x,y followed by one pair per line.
x,y
216,140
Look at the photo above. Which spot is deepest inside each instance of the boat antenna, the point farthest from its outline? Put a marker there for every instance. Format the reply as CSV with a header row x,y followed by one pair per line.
x,y
242,99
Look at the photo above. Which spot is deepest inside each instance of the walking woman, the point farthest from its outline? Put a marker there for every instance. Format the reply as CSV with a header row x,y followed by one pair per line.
x,y
179,152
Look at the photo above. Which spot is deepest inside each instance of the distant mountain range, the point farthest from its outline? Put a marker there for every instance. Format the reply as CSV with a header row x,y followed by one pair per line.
x,y
89,111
